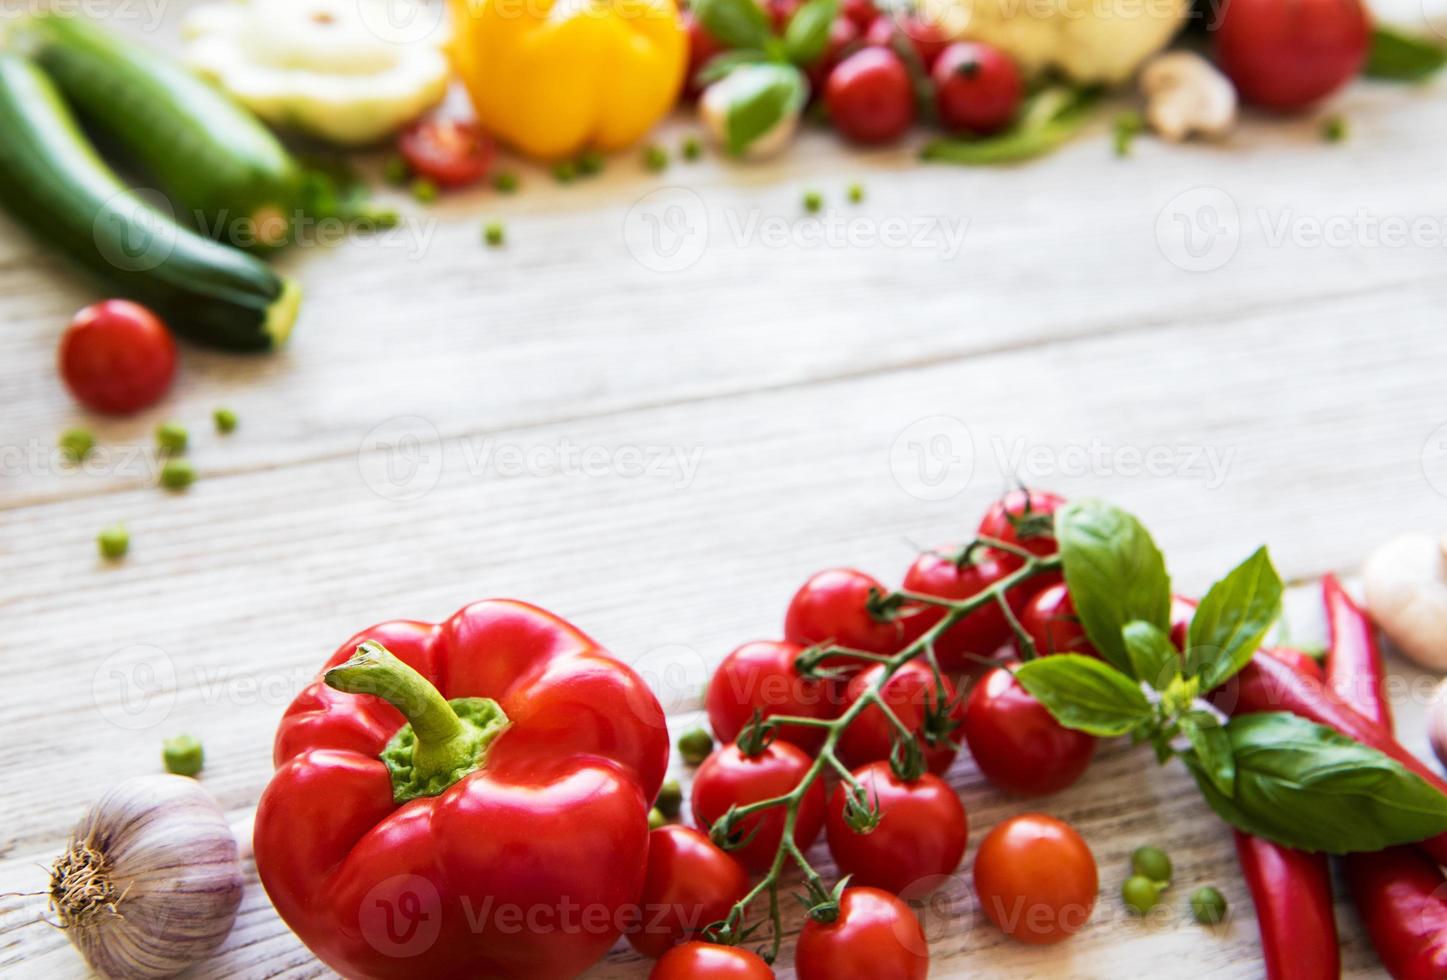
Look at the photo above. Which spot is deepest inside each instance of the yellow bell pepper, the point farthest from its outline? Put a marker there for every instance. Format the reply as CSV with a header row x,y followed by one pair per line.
x,y
552,77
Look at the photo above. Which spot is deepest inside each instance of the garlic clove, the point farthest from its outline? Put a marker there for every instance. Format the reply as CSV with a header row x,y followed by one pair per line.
x,y
1406,591
151,880
1186,95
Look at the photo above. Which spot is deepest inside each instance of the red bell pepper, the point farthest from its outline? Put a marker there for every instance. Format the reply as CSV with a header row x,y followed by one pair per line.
x,y
1292,893
1268,684
1400,892
1353,660
465,799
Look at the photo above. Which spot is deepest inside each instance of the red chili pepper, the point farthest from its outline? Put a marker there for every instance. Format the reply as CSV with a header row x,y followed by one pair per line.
x,y
1292,893
1268,684
1353,661
1400,892
1291,889
502,832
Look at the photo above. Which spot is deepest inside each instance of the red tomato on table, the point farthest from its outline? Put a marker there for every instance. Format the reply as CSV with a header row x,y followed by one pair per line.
x,y
117,357
833,607
920,838
1017,744
706,961
731,777
911,693
449,152
1287,54
1036,879
875,937
690,884
761,676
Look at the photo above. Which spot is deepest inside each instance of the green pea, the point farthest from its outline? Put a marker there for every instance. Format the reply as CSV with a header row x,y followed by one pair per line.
x,y
590,162
856,193
1140,894
114,542
182,755
424,191
670,798
76,444
492,233
1152,863
694,746
225,420
505,182
1208,906
177,474
656,819
565,171
813,201
655,158
172,437
1334,129
395,171
691,149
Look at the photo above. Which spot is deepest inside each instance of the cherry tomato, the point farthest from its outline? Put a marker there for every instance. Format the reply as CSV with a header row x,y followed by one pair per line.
x,y
977,88
1026,519
702,48
1287,54
920,838
870,96
833,607
912,694
690,885
1051,621
1016,742
730,777
927,37
705,961
762,676
875,937
117,357
861,12
448,152
979,634
1036,879
781,12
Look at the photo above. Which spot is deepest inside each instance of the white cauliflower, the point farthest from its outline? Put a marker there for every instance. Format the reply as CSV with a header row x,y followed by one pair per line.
x,y
1090,41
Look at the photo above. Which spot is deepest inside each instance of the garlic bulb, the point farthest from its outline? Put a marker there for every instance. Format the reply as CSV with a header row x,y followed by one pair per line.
x,y
1406,589
151,880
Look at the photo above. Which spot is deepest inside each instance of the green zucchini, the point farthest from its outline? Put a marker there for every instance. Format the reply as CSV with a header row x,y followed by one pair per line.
x,y
226,171
53,181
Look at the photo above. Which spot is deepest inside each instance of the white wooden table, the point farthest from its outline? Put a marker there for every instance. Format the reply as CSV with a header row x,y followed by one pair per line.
x,y
671,397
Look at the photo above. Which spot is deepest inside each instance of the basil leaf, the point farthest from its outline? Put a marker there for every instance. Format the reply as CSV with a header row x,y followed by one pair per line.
x,y
1212,746
1049,120
734,23
1401,57
1232,620
1085,694
1153,657
1308,787
1115,574
807,34
759,97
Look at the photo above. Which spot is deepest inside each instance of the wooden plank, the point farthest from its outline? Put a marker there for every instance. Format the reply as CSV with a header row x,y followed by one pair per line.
x,y
248,580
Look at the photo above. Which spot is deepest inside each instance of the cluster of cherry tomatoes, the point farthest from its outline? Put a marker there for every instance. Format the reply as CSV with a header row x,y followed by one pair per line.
x,y
881,71
904,832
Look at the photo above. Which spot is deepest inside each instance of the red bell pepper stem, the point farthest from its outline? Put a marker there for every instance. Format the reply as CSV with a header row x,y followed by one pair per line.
x,y
1354,661
1399,894
1292,893
446,746
1267,684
